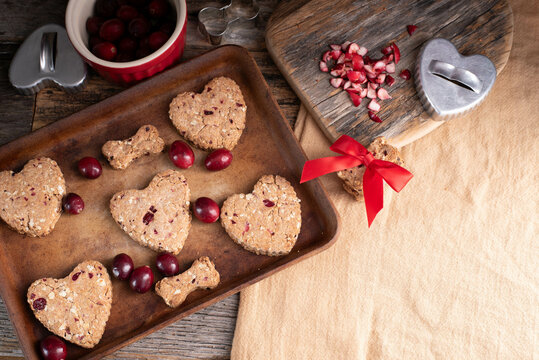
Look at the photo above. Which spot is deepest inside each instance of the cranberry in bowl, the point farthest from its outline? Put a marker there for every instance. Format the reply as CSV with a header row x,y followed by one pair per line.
x,y
126,72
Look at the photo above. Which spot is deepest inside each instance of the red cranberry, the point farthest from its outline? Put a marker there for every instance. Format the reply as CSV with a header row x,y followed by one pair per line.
x,y
112,30
53,348
158,8
206,210
105,50
126,13
122,266
127,44
73,204
141,279
89,167
138,3
142,52
218,160
124,56
168,27
139,27
157,39
167,264
93,24
181,154
39,304
94,40
106,8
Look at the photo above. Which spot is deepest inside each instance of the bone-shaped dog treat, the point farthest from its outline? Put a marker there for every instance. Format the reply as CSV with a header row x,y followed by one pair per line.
x,y
120,153
201,275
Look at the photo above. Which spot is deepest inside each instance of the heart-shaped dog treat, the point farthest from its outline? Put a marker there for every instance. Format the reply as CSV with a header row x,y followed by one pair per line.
x,y
450,84
31,200
213,119
353,177
76,307
158,216
266,221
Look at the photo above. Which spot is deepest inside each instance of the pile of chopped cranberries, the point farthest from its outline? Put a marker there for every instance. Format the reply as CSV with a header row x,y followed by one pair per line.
x,y
126,30
362,76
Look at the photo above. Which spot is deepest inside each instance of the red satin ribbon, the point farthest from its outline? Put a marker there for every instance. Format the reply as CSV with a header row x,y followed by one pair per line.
x,y
376,172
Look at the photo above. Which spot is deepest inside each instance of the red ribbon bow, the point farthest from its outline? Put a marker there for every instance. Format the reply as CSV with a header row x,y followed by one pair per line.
x,y
376,171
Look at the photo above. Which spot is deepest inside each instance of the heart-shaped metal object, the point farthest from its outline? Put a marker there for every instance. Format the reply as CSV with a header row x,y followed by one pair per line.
x,y
214,22
450,84
47,58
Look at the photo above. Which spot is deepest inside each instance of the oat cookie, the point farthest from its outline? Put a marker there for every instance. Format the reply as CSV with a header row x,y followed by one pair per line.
x,y
266,221
158,216
213,119
353,178
76,307
120,153
201,275
31,200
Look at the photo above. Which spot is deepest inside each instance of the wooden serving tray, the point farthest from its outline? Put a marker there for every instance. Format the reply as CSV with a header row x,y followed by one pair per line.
x,y
267,146
299,31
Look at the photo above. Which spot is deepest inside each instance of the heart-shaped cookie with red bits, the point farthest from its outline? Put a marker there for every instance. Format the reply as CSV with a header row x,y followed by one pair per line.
x,y
213,119
266,221
158,216
76,307
31,200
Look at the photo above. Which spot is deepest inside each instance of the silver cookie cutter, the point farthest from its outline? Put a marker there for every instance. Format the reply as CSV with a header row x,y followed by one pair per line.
x,y
214,22
450,84
47,58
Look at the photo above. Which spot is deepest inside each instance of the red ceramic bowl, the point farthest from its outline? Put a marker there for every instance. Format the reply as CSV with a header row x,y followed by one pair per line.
x,y
78,11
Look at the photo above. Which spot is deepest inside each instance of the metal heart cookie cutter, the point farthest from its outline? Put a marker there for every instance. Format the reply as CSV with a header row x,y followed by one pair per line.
x,y
450,84
214,22
47,58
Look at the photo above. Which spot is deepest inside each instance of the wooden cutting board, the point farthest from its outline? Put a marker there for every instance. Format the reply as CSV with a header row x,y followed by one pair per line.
x,y
300,31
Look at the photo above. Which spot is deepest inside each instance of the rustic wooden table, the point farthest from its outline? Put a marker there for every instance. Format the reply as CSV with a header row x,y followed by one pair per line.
x,y
207,334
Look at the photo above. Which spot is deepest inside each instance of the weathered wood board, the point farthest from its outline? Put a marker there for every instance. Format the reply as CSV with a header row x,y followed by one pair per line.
x,y
300,31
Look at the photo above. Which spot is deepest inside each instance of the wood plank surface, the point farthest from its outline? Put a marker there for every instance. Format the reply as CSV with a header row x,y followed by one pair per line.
x,y
300,31
208,333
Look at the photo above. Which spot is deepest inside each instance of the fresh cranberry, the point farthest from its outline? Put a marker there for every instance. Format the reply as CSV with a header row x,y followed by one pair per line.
x,y
158,8
167,264
126,13
122,266
53,348
105,50
94,40
181,154
206,210
157,39
139,27
168,27
89,167
124,56
73,204
93,24
138,3
142,52
141,279
106,8
127,44
218,160
112,30
405,74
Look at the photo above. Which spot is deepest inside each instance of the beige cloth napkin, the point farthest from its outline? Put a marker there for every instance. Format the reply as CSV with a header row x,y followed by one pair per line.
x,y
450,267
